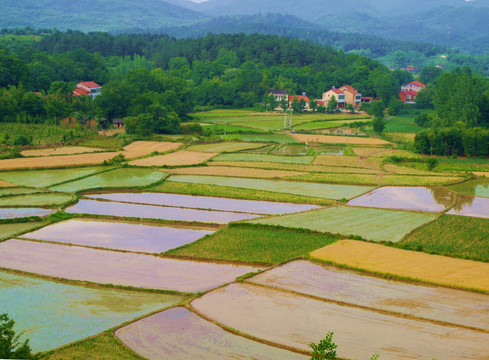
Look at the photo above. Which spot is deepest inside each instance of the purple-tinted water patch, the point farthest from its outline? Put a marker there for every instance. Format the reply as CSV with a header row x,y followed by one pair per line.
x,y
207,202
155,212
435,199
11,213
471,206
120,236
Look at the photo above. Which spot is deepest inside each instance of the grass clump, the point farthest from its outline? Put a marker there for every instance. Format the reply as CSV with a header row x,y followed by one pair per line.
x,y
255,243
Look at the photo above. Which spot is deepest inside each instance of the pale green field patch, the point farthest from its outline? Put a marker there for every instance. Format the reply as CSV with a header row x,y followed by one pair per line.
x,y
225,147
265,158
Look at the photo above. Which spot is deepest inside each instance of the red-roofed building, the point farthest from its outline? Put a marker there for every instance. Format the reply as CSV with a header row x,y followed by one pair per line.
x,y
408,97
338,95
299,98
87,88
352,96
415,85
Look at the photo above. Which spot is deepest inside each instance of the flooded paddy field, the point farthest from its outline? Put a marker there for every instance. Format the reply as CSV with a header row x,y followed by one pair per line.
x,y
54,314
370,224
471,206
45,178
111,267
326,191
428,268
116,235
118,178
296,321
434,199
12,213
206,202
95,207
428,302
479,187
180,334
236,172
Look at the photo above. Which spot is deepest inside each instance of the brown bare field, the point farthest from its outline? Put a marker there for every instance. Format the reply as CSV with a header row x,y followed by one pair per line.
x,y
56,161
65,150
428,268
294,167
4,184
331,139
236,172
142,148
348,161
381,152
481,173
175,159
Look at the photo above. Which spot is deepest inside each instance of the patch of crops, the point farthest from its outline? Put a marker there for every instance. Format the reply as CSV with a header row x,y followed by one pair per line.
x,y
419,180
265,158
13,229
254,243
119,178
357,179
326,191
452,235
17,191
327,124
370,224
478,187
277,138
43,199
45,178
295,167
229,146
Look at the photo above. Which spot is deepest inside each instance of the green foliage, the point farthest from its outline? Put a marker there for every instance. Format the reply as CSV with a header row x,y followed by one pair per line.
x,y
423,120
378,125
432,163
332,104
375,108
395,106
325,349
10,345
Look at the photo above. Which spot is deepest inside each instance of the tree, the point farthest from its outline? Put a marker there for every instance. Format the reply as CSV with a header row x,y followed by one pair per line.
x,y
10,346
284,103
321,109
376,108
313,105
395,106
332,104
379,124
269,100
326,349
350,108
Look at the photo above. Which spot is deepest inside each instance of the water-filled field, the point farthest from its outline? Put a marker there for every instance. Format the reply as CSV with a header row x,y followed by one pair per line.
x,y
370,224
228,146
471,206
407,264
265,158
114,267
428,302
479,187
116,235
44,199
118,178
179,334
407,198
236,172
54,314
178,158
358,332
289,187
206,202
155,212
11,213
45,178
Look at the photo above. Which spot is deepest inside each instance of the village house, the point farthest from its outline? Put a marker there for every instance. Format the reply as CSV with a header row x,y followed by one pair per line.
x,y
410,91
352,96
299,98
338,95
415,85
87,88
279,95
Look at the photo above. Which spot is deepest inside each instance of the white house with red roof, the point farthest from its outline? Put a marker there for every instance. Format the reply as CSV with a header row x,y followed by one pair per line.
x,y
415,85
410,91
338,95
299,98
87,88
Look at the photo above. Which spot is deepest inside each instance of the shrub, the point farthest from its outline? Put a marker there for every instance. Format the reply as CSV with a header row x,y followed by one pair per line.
x,y
10,347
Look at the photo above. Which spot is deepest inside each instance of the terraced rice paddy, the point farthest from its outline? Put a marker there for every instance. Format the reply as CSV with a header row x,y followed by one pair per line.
x,y
254,310
382,152
64,150
43,199
478,187
331,139
471,206
206,202
296,167
119,236
54,314
277,138
5,184
111,267
348,161
407,198
225,147
118,178
370,224
426,302
178,158
12,213
57,161
180,335
236,172
45,178
142,148
381,259
289,187
453,235
12,229
265,158
17,191
155,212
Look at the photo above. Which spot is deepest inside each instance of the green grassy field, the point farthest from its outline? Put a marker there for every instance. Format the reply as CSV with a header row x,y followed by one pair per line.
x,y
281,138
237,193
17,191
452,235
328,124
478,187
229,146
370,224
44,199
45,178
254,243
410,180
13,229
287,187
220,129
348,178
119,178
265,158
404,123
296,167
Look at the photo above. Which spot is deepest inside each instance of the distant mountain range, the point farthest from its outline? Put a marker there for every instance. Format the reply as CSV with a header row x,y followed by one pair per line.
x,y
415,20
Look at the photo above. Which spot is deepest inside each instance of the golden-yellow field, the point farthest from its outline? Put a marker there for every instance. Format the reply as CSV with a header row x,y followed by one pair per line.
x,y
64,150
331,139
236,172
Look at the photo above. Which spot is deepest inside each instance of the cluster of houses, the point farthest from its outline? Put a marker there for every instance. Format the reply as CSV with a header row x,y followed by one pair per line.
x,y
87,88
410,91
